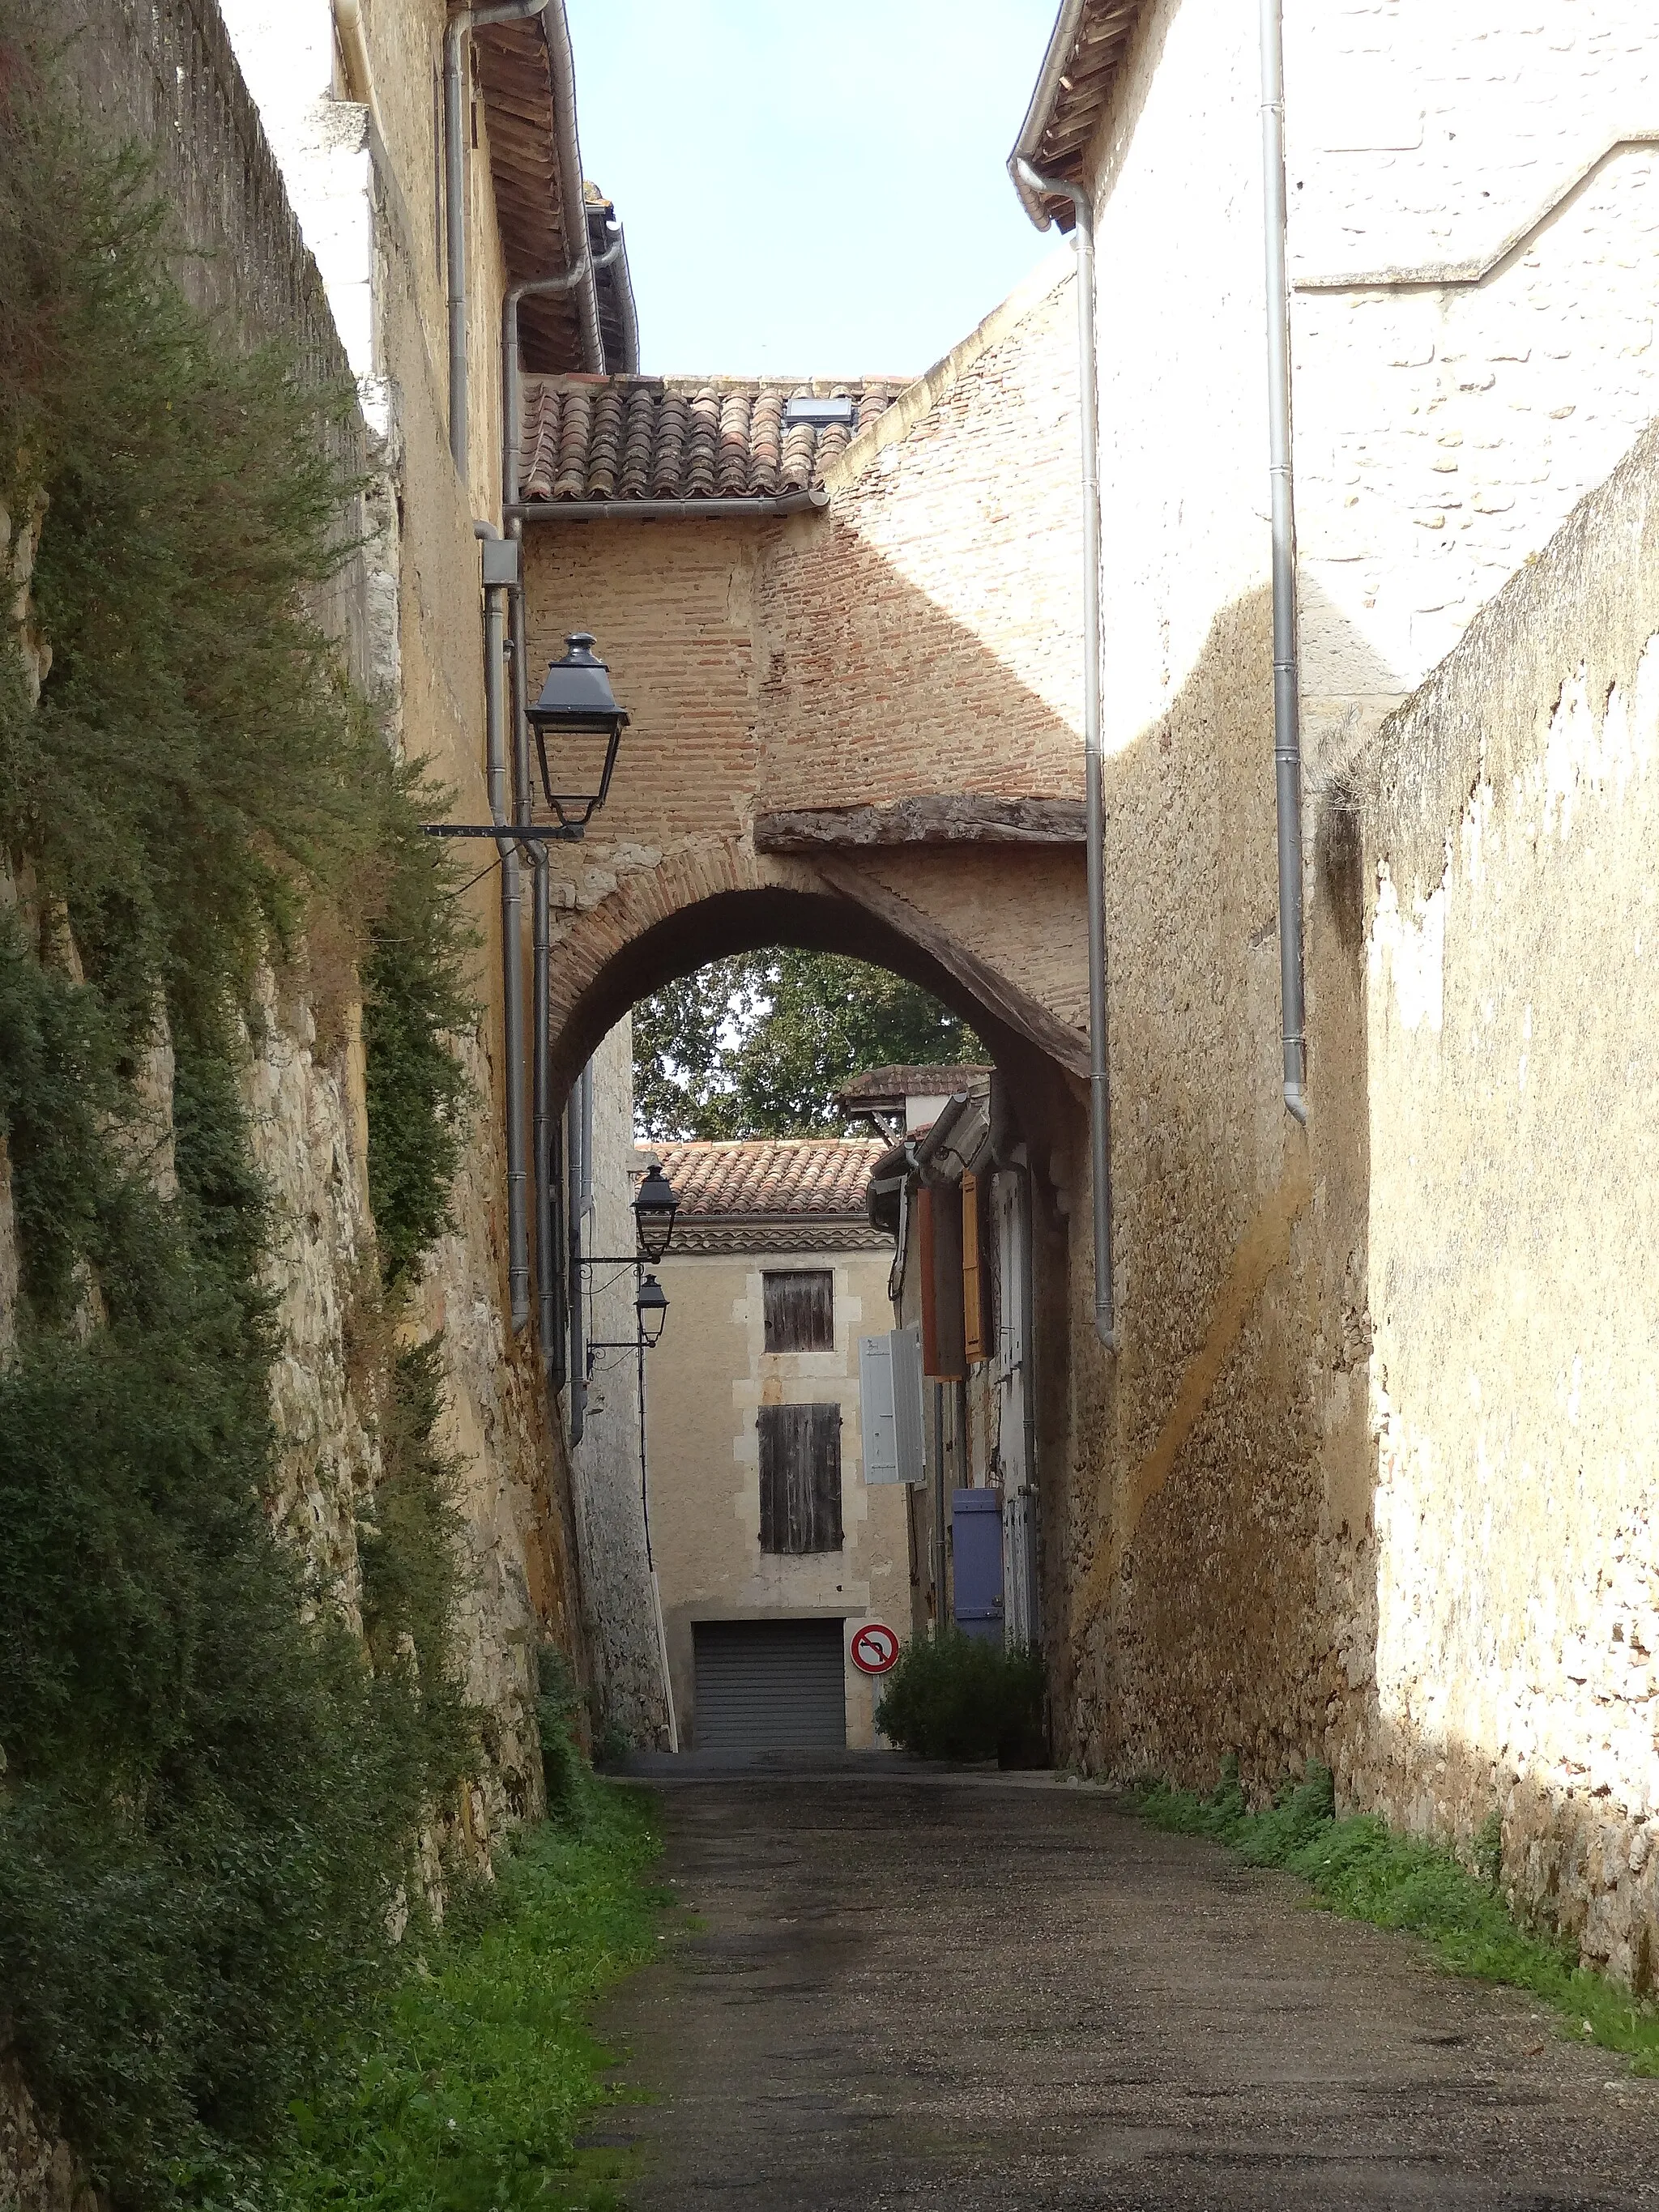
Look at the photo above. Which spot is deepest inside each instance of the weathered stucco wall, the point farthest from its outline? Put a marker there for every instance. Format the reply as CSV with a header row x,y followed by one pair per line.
x,y
604,1464
1219,1585
1505,821
705,1382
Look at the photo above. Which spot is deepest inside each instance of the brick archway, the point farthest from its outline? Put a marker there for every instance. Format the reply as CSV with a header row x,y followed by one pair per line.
x,y
660,920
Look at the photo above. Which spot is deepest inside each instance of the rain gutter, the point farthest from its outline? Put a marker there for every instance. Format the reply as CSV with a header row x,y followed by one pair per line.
x,y
667,510
1100,1094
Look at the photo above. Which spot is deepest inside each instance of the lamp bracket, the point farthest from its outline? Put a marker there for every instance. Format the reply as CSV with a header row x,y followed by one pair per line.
x,y
519,832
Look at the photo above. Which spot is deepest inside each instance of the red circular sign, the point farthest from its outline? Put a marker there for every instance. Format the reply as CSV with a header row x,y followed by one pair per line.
x,y
875,1647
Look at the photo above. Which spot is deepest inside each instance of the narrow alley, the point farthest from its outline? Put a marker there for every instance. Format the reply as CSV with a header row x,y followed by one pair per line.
x,y
924,1989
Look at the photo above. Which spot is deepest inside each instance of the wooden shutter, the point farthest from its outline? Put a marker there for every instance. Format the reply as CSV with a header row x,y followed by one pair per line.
x,y
909,1428
881,1460
973,1317
938,1234
800,1478
800,1309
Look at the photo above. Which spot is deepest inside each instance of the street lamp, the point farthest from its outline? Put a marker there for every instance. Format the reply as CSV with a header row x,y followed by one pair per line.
x,y
655,1207
579,710
651,1304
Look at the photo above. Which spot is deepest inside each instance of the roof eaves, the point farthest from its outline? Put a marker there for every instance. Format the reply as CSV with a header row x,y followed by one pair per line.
x,y
1085,49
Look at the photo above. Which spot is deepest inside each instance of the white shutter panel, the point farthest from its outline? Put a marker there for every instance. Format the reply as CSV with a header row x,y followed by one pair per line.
x,y
906,1345
876,1410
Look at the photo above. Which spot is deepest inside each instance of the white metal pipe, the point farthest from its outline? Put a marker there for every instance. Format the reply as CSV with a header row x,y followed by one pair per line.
x,y
1100,1090
1287,701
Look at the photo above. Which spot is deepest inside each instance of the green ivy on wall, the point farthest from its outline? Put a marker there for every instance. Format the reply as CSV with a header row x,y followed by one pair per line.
x,y
210,1790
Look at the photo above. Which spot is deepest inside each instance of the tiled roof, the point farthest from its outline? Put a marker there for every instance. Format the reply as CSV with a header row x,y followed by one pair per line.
x,y
940,1082
653,437
812,1177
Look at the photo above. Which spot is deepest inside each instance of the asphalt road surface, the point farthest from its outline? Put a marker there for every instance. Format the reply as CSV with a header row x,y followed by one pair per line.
x,y
930,1990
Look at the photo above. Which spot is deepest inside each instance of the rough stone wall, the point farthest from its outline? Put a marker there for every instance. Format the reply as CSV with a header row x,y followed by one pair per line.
x,y
605,1465
371,216
1219,1578
1502,828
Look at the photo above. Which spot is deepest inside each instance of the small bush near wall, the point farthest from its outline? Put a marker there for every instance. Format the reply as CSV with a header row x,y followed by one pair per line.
x,y
953,1696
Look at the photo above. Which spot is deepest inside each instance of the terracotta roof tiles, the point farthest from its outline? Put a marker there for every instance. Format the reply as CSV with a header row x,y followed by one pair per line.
x,y
810,1177
652,437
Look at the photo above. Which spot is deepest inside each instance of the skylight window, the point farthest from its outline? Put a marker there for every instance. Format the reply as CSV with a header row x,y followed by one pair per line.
x,y
822,412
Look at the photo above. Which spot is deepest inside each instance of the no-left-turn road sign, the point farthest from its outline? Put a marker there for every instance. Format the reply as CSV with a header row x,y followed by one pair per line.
x,y
875,1647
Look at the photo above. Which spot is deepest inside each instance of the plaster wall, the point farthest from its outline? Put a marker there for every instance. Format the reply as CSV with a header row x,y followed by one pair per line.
x,y
705,1382
617,1605
1505,821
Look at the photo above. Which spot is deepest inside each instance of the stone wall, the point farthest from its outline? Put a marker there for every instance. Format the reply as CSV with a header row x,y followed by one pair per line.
x,y
1239,1569
1502,827
617,1602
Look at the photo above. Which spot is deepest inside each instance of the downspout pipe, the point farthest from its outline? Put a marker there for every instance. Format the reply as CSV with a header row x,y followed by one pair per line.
x,y
518,1243
1287,701
1100,1094
456,33
543,1133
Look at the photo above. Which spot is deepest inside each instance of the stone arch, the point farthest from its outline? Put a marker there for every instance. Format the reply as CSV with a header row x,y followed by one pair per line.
x,y
656,922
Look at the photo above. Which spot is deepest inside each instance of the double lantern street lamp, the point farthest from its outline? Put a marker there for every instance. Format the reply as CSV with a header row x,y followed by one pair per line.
x,y
655,1208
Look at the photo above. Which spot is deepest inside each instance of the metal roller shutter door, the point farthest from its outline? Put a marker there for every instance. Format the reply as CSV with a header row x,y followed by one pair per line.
x,y
771,1684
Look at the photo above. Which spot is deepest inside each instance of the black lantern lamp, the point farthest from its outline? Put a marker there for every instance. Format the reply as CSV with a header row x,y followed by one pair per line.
x,y
578,709
651,1304
655,1208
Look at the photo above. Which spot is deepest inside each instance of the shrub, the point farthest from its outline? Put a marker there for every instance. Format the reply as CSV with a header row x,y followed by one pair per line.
x,y
953,1696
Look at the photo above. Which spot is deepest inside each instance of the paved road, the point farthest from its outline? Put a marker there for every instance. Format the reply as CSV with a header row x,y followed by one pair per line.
x,y
929,1991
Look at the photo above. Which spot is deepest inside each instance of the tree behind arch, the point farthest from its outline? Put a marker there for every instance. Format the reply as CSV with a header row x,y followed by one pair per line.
x,y
757,1045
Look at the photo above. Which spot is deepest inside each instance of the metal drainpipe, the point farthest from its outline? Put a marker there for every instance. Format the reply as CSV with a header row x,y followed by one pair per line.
x,y
1100,1092
455,140
1287,702
518,1244
542,920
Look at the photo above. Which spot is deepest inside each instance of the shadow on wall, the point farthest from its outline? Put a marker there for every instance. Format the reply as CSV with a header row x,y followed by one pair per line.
x,y
1218,1577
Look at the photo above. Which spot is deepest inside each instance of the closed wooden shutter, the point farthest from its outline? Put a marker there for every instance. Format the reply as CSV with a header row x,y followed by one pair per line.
x,y
800,1309
906,1346
876,1414
938,1235
800,1478
973,1318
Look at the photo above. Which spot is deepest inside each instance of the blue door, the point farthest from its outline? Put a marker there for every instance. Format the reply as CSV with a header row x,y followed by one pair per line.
x,y
976,1561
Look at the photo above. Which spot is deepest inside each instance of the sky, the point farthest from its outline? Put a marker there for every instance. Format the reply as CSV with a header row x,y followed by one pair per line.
x,y
807,189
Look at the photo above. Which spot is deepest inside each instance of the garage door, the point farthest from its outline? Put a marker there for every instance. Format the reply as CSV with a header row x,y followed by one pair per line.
x,y
769,1684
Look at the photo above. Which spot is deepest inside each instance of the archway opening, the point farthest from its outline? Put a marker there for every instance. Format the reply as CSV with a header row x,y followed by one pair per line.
x,y
766,1516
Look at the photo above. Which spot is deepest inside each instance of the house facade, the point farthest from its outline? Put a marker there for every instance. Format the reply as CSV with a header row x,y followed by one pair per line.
x,y
771,1548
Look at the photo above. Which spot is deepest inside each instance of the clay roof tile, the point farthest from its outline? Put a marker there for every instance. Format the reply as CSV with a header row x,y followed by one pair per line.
x,y
641,437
